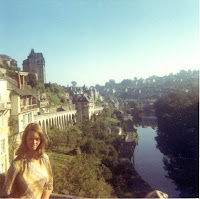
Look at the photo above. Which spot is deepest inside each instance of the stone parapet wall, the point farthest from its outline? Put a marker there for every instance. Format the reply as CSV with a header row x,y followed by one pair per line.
x,y
55,195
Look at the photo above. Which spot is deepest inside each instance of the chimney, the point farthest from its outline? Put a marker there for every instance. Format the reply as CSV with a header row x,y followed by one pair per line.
x,y
19,81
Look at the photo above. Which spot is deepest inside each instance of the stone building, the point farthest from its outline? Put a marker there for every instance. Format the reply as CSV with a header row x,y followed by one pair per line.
x,y
85,107
93,93
5,107
23,100
35,63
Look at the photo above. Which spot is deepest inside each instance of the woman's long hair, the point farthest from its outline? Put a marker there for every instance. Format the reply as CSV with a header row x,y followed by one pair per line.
x,y
22,150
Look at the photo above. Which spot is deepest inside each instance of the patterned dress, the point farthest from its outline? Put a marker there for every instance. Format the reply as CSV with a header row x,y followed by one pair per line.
x,y
29,178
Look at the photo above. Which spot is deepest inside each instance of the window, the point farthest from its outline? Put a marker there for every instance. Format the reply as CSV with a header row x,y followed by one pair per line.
x,y
2,146
30,117
2,167
21,102
25,119
25,102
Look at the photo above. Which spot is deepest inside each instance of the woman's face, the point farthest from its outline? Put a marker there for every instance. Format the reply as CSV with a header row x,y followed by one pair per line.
x,y
33,141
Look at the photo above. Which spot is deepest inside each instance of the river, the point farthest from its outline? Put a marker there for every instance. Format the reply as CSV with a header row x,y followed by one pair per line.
x,y
149,165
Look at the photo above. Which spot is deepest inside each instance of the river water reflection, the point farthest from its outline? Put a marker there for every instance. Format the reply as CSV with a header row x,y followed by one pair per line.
x,y
148,162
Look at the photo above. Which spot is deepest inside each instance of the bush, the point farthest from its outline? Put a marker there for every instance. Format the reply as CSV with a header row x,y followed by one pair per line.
x,y
84,177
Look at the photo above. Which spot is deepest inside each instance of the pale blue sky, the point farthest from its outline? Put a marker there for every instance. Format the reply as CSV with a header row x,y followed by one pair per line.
x,y
93,41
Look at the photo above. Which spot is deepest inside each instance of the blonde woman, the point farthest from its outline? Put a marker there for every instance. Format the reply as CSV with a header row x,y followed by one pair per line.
x,y
29,175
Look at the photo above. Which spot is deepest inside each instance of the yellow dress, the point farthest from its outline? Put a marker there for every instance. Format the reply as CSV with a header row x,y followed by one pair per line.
x,y
29,178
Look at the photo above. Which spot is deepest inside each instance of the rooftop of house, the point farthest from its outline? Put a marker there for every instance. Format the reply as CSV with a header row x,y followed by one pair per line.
x,y
82,98
13,85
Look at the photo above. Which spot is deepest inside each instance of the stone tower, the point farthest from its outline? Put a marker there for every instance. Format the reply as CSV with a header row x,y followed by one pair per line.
x,y
35,63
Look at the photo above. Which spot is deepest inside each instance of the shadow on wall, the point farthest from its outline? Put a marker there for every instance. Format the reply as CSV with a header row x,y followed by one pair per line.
x,y
2,178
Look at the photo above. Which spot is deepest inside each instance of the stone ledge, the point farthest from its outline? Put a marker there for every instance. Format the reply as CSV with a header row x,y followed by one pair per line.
x,y
55,195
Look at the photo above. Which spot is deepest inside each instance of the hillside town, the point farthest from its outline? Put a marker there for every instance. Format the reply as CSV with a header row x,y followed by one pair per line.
x,y
97,121
20,103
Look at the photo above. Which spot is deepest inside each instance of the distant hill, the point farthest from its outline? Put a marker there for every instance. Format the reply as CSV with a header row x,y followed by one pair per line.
x,y
152,87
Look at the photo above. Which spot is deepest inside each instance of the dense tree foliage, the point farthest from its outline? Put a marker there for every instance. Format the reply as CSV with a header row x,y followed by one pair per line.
x,y
93,146
56,94
108,111
12,68
134,109
74,83
178,135
110,84
31,80
84,177
41,88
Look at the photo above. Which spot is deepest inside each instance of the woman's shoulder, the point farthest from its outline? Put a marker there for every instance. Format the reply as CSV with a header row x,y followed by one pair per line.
x,y
17,162
18,159
45,157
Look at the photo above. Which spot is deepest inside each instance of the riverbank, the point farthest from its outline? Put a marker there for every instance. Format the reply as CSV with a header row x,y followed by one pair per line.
x,y
128,183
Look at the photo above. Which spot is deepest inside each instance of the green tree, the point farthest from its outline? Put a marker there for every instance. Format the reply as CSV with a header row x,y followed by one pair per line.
x,y
55,88
59,171
84,177
74,83
53,98
108,111
178,131
31,80
57,140
40,87
111,84
56,94
74,137
127,83
135,110
94,153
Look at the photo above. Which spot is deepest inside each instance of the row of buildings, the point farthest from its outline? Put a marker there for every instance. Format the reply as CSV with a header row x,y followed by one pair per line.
x,y
35,63
20,103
